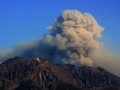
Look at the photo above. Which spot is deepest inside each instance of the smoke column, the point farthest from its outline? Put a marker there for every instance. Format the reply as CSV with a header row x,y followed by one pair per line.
x,y
72,40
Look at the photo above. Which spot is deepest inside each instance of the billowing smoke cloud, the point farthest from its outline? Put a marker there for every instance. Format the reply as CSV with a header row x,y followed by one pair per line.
x,y
72,40
4,53
107,59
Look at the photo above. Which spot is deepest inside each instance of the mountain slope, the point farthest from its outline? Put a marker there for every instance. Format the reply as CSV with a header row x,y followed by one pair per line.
x,y
38,74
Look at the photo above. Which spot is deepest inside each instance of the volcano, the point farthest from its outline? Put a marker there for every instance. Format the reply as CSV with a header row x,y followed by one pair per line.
x,y
39,74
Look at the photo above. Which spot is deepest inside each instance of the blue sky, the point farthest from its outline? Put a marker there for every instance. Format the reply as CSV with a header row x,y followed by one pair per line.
x,y
26,20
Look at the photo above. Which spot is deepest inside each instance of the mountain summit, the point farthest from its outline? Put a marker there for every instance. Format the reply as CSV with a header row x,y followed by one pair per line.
x,y
39,74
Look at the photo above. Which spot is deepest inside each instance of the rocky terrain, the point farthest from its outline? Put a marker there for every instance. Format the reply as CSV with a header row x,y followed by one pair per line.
x,y
39,74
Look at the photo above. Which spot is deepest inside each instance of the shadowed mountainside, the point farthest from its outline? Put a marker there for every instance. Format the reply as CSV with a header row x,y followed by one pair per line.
x,y
38,74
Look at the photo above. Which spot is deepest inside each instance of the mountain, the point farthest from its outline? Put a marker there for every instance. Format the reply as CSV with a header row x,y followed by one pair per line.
x,y
39,74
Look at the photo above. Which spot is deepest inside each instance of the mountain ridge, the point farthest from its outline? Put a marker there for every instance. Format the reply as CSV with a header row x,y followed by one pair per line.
x,y
39,74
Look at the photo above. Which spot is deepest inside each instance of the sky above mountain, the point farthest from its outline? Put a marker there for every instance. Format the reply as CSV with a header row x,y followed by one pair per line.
x,y
23,20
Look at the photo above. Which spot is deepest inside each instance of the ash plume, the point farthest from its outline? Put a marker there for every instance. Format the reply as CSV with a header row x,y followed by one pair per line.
x,y
72,40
